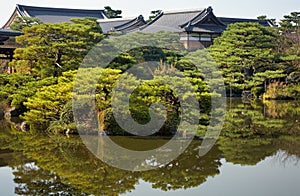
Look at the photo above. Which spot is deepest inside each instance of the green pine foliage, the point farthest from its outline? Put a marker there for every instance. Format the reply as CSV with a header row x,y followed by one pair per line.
x,y
289,47
24,21
242,51
26,91
49,101
111,13
11,84
251,57
51,49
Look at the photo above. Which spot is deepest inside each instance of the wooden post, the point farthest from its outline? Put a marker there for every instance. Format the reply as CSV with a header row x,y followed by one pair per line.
x,y
11,54
188,41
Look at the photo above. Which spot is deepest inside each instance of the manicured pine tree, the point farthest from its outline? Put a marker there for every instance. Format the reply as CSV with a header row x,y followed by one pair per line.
x,y
243,50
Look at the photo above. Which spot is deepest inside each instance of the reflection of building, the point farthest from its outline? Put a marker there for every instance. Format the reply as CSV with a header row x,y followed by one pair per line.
x,y
122,25
53,15
197,28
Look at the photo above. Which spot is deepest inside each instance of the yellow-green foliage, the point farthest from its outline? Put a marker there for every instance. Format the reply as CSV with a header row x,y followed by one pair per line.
x,y
49,101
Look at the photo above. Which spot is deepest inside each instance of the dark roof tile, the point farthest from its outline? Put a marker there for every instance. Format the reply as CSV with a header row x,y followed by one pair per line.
x,y
57,15
108,25
171,21
5,32
121,24
201,20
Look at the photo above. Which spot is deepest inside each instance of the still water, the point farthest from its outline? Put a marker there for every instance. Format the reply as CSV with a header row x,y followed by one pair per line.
x,y
238,164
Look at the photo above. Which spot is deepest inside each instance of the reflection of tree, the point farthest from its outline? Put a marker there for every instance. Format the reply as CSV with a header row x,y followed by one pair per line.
x,y
256,121
291,145
244,120
65,165
246,151
288,111
188,170
8,136
74,167
32,180
283,158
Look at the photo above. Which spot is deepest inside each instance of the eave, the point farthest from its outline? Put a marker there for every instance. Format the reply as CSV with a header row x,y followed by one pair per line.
x,y
11,19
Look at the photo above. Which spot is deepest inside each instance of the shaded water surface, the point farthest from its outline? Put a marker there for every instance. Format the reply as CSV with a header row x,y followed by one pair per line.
x,y
258,154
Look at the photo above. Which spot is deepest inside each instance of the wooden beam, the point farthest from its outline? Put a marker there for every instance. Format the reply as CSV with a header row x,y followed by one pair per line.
x,y
6,58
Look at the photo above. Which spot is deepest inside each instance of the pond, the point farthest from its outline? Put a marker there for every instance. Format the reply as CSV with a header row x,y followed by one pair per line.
x,y
240,163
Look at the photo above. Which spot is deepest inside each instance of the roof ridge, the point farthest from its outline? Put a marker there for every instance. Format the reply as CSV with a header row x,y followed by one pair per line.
x,y
241,18
40,7
199,17
152,21
116,19
130,23
184,11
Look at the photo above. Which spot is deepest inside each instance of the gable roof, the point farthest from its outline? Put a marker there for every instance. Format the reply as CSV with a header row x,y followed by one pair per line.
x,y
205,22
171,21
201,20
205,17
53,15
108,25
121,24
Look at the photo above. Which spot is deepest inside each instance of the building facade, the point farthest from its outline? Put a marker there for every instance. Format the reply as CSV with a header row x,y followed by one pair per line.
x,y
7,46
197,28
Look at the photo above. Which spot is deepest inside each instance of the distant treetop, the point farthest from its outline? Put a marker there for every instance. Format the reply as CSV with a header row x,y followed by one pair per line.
x,y
111,13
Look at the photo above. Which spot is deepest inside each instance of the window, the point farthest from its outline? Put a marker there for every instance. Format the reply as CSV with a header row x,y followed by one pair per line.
x,y
205,37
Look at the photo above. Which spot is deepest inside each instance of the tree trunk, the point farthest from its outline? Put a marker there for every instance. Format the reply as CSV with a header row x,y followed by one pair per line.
x,y
101,120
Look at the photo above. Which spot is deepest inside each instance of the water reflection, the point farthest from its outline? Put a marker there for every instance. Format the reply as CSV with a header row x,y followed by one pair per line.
x,y
66,165
47,164
268,119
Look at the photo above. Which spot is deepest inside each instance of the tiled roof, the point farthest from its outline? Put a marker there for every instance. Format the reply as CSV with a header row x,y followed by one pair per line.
x,y
108,25
57,15
133,24
170,21
201,20
121,24
5,32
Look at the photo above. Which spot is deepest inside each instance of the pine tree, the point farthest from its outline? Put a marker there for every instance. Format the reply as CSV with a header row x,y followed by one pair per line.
x,y
243,50
51,49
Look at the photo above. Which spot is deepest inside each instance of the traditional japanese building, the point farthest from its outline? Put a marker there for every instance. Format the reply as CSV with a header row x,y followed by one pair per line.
x,y
7,47
122,25
45,15
197,28
53,15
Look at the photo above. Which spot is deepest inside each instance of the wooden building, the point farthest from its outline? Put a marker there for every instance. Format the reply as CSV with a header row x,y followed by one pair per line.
x,y
45,15
197,28
53,15
7,47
